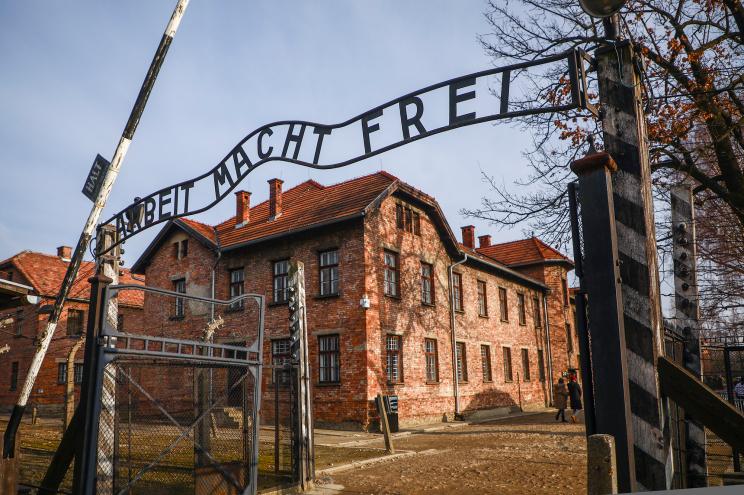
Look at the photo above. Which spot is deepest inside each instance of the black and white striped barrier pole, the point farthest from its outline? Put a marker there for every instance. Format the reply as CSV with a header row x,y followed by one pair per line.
x,y
90,226
624,127
687,316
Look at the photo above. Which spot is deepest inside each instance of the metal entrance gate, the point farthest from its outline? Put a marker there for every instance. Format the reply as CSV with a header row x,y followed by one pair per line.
x,y
177,399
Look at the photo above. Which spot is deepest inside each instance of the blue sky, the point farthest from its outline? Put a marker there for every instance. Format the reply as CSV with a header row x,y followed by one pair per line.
x,y
71,71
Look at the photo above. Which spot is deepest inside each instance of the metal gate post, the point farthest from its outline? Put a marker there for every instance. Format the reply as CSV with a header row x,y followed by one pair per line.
x,y
304,445
687,315
601,277
86,444
624,130
585,364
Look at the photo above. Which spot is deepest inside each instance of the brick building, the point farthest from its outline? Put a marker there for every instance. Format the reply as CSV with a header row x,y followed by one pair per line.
x,y
381,310
43,274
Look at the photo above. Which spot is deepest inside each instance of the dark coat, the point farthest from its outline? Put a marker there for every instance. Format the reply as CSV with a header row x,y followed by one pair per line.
x,y
560,396
574,393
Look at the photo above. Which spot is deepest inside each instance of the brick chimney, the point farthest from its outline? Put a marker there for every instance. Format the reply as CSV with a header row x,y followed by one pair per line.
x,y
468,236
64,252
275,198
242,208
484,241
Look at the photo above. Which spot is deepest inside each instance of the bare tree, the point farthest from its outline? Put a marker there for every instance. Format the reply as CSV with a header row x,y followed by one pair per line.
x,y
693,86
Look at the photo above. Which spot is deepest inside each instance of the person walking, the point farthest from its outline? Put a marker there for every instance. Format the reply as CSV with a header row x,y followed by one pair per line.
x,y
739,389
560,399
574,394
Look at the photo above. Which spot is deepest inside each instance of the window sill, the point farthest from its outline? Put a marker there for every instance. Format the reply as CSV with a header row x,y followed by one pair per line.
x,y
487,381
483,316
327,296
508,381
428,305
328,384
390,296
433,383
504,321
523,324
176,318
460,311
395,384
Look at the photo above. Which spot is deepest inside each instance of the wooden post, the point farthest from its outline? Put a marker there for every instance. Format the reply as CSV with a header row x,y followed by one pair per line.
x,y
687,315
384,424
304,443
625,140
601,279
601,465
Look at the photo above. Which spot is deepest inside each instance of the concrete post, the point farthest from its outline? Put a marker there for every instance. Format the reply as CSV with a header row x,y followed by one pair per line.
x,y
601,465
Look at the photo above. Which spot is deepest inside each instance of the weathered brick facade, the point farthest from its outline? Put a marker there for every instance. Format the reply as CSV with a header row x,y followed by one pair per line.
x,y
360,220
44,274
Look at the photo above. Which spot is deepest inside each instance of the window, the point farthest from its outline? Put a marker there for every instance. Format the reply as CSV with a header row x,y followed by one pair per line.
x,y
394,359
407,219
237,287
540,365
328,355
427,283
521,309
180,287
482,300
281,279
432,360
61,373
462,362
78,377
392,274
508,376
329,272
14,375
564,286
486,363
75,318
537,314
19,324
525,365
120,322
181,248
279,357
569,338
503,309
457,291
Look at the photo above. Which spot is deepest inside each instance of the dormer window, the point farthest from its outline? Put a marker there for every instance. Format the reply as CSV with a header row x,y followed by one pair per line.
x,y
181,249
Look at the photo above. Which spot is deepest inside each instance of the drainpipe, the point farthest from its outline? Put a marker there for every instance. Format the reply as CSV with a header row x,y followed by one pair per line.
x,y
547,344
214,276
454,334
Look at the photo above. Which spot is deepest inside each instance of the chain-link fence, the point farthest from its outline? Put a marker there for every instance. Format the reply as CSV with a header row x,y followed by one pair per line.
x,y
179,402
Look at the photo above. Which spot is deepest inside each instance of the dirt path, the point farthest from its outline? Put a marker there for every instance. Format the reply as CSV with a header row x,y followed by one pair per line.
x,y
525,455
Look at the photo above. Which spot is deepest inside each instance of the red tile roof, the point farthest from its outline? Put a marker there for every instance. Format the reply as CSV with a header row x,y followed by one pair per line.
x,y
523,252
305,205
45,273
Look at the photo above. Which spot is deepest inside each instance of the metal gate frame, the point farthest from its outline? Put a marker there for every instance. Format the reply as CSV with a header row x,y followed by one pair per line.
x,y
108,348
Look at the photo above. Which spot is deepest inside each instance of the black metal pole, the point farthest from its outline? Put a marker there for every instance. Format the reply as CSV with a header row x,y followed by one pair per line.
x,y
89,393
730,396
582,329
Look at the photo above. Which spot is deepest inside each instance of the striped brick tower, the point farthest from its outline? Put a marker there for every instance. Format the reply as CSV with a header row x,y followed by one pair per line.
x,y
687,316
625,140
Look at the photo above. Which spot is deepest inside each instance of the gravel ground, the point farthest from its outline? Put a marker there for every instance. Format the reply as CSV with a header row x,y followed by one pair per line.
x,y
523,455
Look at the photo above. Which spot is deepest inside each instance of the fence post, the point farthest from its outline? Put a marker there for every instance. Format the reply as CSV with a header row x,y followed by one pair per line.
x,y
730,396
601,465
9,467
384,425
687,316
605,311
